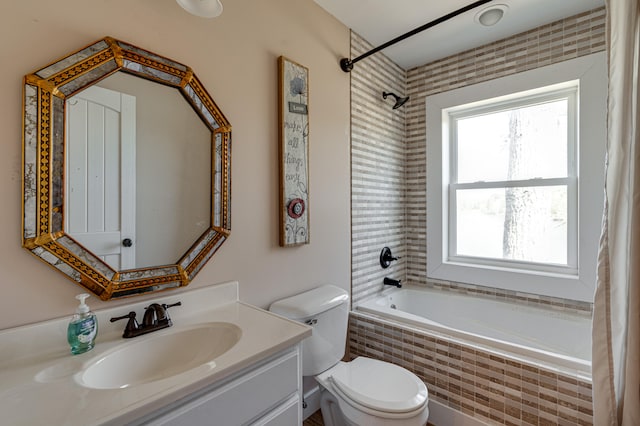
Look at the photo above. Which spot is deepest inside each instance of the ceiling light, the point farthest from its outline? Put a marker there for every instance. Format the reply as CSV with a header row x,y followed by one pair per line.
x,y
491,15
202,8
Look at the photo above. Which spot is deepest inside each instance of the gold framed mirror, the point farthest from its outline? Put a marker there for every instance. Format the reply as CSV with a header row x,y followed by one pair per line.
x,y
99,156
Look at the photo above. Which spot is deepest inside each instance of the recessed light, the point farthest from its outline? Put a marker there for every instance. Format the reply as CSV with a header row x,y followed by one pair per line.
x,y
489,16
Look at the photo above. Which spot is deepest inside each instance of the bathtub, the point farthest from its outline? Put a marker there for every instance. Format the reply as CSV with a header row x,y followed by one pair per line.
x,y
557,340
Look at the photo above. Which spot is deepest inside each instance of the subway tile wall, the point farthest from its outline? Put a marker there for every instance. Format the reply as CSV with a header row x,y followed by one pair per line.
x,y
388,159
378,158
568,38
388,153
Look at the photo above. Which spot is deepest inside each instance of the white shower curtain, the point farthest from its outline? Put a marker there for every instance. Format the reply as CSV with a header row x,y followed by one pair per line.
x,y
616,317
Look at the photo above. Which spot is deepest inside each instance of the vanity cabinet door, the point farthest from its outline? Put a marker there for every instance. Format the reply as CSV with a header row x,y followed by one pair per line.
x,y
285,415
263,393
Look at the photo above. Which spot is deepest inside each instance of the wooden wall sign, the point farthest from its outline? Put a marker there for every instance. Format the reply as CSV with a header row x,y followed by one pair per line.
x,y
293,114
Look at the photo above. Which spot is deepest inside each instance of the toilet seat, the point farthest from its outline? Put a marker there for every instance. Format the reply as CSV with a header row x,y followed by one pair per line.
x,y
377,387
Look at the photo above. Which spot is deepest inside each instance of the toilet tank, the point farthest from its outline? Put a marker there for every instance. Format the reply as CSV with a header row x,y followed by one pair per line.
x,y
326,309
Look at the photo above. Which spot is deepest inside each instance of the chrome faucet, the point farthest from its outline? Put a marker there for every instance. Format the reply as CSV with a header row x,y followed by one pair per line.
x,y
156,317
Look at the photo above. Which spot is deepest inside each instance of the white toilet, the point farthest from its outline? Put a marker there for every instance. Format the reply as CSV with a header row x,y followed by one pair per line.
x,y
363,392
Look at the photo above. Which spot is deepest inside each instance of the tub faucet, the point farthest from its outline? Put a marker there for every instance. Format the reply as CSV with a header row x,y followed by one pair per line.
x,y
391,281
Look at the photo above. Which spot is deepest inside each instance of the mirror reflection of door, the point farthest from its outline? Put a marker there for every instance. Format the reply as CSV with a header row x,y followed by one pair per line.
x,y
100,202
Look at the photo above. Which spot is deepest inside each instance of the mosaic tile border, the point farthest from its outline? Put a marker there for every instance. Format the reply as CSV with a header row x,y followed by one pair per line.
x,y
496,390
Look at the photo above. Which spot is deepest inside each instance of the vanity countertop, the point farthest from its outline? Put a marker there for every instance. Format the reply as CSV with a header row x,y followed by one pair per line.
x,y
38,375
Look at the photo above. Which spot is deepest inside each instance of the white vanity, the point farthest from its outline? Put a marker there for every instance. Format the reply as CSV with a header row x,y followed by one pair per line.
x,y
223,362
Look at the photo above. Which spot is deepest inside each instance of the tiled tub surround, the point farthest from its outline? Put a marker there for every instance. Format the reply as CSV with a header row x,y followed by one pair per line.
x,y
458,374
487,384
388,148
557,339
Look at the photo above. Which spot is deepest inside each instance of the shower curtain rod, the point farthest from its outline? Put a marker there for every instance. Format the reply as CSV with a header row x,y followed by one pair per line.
x,y
347,64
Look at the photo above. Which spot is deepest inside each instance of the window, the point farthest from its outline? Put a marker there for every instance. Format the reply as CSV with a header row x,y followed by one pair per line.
x,y
515,171
512,181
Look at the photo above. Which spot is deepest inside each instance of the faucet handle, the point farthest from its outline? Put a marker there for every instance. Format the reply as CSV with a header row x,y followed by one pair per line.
x,y
164,305
132,325
166,312
386,257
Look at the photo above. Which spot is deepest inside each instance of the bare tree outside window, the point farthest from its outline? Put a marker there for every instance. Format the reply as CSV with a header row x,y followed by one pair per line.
x,y
525,207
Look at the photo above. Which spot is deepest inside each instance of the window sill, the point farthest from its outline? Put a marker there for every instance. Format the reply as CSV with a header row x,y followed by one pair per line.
x,y
566,286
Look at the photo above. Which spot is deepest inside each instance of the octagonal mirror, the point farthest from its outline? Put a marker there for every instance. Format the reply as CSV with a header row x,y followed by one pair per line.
x,y
127,163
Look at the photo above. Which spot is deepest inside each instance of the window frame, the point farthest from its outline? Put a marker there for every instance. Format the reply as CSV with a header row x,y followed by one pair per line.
x,y
591,73
567,90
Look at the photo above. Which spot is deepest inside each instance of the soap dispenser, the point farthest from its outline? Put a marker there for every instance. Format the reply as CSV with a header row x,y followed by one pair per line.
x,y
83,328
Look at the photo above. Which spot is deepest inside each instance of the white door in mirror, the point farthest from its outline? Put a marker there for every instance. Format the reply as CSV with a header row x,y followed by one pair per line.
x,y
101,144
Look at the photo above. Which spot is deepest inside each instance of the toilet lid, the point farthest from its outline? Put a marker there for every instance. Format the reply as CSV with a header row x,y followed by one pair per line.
x,y
380,385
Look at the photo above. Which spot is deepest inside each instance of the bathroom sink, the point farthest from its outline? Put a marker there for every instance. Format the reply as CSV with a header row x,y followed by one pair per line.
x,y
159,356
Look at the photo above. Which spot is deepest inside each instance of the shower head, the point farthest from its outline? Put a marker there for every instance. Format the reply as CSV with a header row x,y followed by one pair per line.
x,y
399,100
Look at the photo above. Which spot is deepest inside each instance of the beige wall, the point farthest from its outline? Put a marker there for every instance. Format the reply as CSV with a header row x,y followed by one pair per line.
x,y
235,58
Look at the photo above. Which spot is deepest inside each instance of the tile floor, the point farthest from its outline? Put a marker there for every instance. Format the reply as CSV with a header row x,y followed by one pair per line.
x,y
314,420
